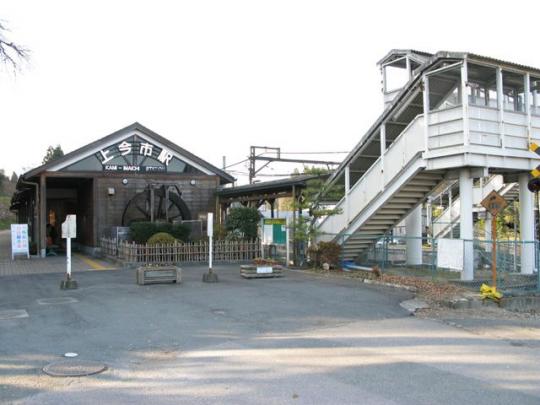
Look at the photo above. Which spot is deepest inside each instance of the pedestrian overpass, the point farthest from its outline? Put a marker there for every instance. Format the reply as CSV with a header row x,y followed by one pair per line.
x,y
447,116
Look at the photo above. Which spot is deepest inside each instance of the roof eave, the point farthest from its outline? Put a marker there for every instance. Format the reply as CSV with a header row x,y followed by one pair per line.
x,y
136,126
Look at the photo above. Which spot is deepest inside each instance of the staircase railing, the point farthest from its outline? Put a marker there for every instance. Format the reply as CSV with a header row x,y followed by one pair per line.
x,y
381,173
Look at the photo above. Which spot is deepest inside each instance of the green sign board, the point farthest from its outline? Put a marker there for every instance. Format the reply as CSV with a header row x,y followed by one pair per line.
x,y
275,230
275,221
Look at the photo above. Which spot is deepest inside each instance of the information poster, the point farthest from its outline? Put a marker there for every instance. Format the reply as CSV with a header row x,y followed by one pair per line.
x,y
19,240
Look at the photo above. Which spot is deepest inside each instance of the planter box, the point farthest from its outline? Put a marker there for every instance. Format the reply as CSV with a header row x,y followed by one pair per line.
x,y
261,271
158,275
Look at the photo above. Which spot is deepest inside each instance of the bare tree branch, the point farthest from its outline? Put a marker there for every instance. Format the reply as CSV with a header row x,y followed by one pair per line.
x,y
11,54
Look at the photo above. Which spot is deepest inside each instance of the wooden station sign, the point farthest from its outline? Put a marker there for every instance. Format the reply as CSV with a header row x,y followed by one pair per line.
x,y
494,203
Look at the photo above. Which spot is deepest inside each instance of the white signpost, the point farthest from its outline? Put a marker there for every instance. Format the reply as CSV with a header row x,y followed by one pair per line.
x,y
210,233
19,240
210,277
69,230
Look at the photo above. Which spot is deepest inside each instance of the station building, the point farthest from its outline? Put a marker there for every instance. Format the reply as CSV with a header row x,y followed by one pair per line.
x,y
133,174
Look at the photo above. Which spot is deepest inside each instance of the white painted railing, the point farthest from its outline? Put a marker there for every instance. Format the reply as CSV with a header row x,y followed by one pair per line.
x,y
383,171
485,128
445,133
445,128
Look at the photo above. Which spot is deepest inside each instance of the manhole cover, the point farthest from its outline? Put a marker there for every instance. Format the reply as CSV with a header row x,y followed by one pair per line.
x,y
74,368
13,314
58,300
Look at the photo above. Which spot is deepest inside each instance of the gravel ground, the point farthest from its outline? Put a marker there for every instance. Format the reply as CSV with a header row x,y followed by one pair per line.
x,y
436,293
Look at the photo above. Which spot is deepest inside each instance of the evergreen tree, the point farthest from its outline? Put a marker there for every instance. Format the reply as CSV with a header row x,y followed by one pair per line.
x,y
243,220
318,198
3,179
53,153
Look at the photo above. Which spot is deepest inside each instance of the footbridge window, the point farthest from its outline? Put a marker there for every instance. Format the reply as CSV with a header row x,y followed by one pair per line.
x,y
444,86
513,91
534,97
482,85
395,74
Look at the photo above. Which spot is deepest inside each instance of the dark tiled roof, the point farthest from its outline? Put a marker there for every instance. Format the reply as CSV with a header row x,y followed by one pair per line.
x,y
268,186
225,177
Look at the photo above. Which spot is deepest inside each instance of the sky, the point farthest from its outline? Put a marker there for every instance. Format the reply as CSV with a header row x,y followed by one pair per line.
x,y
218,76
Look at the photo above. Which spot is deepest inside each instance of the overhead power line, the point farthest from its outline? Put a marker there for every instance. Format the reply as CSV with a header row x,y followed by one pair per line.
x,y
313,153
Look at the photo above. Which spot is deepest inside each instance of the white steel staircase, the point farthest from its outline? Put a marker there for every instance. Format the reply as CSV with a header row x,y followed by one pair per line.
x,y
450,120
395,184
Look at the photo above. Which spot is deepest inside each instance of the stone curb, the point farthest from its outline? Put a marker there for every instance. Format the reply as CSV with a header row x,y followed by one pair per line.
x,y
402,287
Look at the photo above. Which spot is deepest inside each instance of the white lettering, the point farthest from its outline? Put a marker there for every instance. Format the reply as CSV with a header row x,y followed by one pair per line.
x,y
146,149
105,157
165,156
125,148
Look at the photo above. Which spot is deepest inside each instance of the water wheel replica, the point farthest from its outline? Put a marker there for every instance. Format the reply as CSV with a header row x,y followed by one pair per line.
x,y
162,203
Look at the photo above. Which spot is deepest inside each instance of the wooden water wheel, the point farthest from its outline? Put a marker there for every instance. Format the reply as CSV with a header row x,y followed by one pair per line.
x,y
162,204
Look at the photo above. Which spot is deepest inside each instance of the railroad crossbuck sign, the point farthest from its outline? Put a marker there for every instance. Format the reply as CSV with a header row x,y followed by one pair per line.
x,y
536,149
494,203
534,183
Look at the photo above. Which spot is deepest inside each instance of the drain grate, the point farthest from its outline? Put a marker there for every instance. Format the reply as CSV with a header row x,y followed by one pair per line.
x,y
74,368
13,314
58,300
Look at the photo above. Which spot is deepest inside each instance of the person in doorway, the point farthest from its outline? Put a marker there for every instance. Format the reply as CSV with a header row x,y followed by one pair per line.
x,y
52,235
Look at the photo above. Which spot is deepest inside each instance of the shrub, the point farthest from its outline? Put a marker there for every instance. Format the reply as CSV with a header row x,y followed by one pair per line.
x,y
325,252
259,261
142,231
161,238
245,220
329,252
180,232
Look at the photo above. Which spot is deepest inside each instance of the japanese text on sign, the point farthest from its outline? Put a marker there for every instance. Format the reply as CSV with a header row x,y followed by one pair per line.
x,y
125,148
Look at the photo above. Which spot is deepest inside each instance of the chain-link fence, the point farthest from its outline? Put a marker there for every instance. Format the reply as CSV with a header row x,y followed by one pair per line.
x,y
446,259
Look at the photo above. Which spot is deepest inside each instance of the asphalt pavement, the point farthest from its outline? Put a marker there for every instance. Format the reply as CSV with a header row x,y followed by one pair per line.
x,y
300,339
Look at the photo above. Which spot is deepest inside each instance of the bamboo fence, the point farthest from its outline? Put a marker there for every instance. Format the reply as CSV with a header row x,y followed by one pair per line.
x,y
179,252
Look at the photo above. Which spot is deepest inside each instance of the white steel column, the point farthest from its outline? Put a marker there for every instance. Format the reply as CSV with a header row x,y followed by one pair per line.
x,y
526,224
429,210
466,223
382,136
413,230
425,82
500,106
408,65
450,211
527,101
347,189
465,102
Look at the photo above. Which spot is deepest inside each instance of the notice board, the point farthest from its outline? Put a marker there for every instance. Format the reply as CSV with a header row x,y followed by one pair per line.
x,y
19,240
450,254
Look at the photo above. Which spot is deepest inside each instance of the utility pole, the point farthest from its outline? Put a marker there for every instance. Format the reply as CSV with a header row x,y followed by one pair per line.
x,y
253,157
